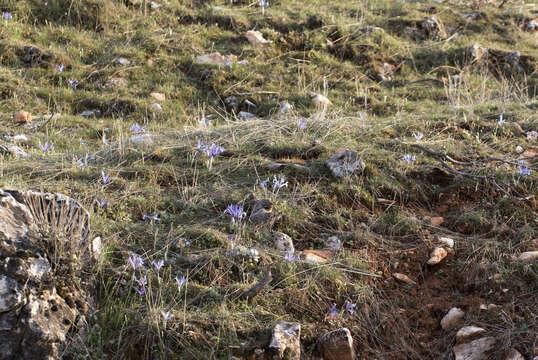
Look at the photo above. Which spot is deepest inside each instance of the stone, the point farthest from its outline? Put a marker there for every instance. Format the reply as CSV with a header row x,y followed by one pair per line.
x,y
158,96
116,83
96,248
283,242
436,220
244,115
141,140
320,101
452,318
13,150
437,255
255,38
478,53
35,320
447,241
468,332
403,278
345,163
231,103
156,108
216,59
475,350
532,25
250,254
433,28
370,28
90,113
513,354
317,256
285,107
17,138
528,256
337,345
285,341
122,61
22,117
333,243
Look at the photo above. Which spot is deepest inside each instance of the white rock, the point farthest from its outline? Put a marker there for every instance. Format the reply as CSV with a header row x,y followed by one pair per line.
x,y
403,278
475,350
283,242
519,149
156,107
10,294
337,345
158,96
122,61
333,243
255,38
286,336
437,255
38,267
245,115
513,354
452,318
284,108
320,101
93,112
216,59
17,138
528,256
447,241
96,248
345,163
467,332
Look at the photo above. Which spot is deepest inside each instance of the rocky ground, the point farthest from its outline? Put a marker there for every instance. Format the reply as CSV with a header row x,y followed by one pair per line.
x,y
273,179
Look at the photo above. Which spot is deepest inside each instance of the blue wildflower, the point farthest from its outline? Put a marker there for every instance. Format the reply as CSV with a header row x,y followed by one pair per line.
x,y
73,83
102,203
154,217
166,316
137,129
140,291
236,212
333,312
301,124
418,135
158,265
46,147
292,258
106,178
60,68
350,307
6,15
180,282
279,183
409,158
523,170
501,120
135,261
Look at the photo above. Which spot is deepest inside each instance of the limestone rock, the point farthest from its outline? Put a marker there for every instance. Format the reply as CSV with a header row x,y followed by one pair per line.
x,y
528,256
437,255
320,101
513,354
285,107
468,332
96,248
317,256
403,278
447,241
255,38
116,83
216,59
478,53
345,163
90,113
333,243
475,350
286,341
122,61
13,150
22,117
283,242
35,324
452,318
262,212
160,97
156,108
337,345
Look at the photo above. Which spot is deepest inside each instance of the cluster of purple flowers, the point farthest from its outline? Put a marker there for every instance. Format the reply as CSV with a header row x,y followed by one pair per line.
x,y
277,183
291,258
137,129
46,146
211,151
236,212
72,83
6,16
349,307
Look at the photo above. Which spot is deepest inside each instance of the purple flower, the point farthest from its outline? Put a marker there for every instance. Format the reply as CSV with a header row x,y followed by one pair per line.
x,y
264,3
140,291
83,162
236,212
350,306
137,129
158,265
180,282
102,203
60,68
213,151
418,135
333,312
7,15
135,261
142,281
301,124
46,147
166,316
279,183
263,183
73,83
292,258
501,120
228,62
523,170
153,217
106,178
409,158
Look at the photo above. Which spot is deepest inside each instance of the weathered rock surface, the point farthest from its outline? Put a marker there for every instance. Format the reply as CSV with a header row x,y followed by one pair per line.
x,y
475,350
337,345
468,332
22,117
513,354
255,38
452,318
528,256
285,342
262,212
437,255
34,320
283,242
13,150
333,243
403,278
345,163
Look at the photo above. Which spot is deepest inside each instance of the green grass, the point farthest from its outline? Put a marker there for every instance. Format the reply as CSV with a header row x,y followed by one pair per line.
x,y
381,215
